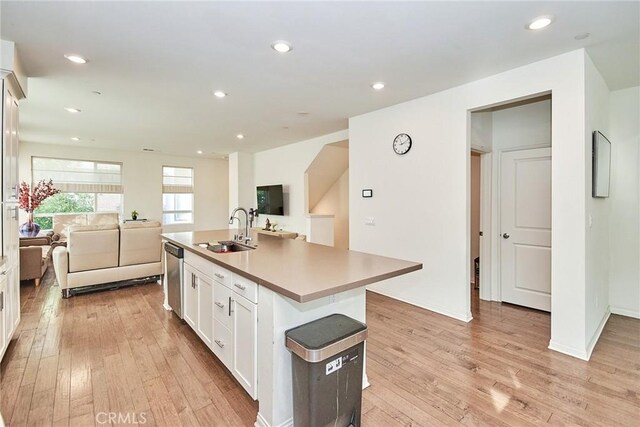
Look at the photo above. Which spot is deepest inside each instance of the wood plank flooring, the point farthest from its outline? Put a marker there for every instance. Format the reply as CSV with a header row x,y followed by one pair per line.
x,y
120,352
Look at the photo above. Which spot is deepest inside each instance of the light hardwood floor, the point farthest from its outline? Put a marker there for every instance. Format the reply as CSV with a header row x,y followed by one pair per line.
x,y
119,351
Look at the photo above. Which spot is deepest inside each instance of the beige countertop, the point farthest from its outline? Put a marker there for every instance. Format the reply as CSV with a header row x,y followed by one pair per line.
x,y
296,269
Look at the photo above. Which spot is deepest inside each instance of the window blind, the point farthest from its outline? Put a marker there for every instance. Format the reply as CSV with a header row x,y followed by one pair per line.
x,y
79,176
177,180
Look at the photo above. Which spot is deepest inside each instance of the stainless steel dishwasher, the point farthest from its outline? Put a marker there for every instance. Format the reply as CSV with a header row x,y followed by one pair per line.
x,y
175,255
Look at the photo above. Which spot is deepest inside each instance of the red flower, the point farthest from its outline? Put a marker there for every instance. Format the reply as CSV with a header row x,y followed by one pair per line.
x,y
30,199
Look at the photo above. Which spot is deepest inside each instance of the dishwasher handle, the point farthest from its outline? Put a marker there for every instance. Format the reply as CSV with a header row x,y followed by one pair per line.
x,y
174,250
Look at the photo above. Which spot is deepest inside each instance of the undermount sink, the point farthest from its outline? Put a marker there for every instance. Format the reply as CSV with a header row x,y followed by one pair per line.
x,y
225,247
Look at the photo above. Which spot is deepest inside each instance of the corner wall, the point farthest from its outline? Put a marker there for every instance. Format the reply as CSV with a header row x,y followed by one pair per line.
x,y
624,220
422,199
142,176
597,212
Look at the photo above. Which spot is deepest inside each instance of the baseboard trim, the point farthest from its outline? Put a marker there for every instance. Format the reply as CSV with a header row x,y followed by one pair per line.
x,y
464,318
597,333
624,312
568,350
261,422
580,353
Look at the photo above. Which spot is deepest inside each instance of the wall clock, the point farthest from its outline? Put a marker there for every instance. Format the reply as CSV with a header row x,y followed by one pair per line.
x,y
402,144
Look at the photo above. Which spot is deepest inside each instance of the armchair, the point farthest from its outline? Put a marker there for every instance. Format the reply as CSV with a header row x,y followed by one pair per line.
x,y
34,257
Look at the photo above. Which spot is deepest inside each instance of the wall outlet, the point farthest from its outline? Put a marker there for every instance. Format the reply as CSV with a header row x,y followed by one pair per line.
x,y
369,220
332,299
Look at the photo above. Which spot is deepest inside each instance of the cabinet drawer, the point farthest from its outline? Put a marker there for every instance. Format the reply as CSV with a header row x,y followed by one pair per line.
x,y
222,343
202,265
221,301
245,287
222,275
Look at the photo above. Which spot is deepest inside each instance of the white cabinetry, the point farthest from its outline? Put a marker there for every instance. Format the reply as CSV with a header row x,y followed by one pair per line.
x,y
10,271
190,296
245,358
221,307
204,328
198,303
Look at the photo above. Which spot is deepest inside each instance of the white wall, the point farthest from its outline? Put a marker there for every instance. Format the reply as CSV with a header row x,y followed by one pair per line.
x,y
336,202
242,192
142,175
624,219
287,165
422,199
597,211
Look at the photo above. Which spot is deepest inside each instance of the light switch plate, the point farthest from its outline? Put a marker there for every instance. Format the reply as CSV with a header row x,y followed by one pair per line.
x,y
369,220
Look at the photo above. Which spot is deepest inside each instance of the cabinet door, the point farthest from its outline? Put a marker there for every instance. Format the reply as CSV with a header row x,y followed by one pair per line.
x,y
190,295
10,308
3,313
204,286
245,325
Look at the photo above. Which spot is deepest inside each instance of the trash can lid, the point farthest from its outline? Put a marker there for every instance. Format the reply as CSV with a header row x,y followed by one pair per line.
x,y
325,337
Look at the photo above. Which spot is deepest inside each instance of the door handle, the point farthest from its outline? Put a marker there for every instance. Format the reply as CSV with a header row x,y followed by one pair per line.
x,y
505,236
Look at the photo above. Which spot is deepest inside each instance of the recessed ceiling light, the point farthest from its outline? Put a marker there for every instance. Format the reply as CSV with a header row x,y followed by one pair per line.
x,y
199,151
77,59
72,109
582,36
240,136
96,92
539,22
281,46
378,86
75,138
219,94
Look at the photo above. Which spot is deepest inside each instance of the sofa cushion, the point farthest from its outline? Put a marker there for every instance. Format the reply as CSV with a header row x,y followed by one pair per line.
x,y
140,243
140,224
85,228
92,247
103,218
61,222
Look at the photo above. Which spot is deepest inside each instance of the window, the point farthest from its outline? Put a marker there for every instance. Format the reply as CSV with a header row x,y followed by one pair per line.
x,y
177,195
85,185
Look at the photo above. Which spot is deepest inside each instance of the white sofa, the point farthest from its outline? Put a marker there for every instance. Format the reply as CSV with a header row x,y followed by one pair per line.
x,y
108,254
62,222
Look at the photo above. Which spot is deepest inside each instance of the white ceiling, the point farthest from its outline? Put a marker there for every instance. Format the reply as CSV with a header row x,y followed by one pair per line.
x,y
156,63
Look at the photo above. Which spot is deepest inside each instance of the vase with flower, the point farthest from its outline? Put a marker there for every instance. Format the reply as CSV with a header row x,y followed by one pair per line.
x,y
30,200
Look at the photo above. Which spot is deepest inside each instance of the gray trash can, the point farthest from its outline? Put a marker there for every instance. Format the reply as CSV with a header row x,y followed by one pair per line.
x,y
327,359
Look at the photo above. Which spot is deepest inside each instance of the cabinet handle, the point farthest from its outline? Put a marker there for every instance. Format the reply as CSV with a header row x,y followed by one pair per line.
x,y
239,286
219,304
2,301
230,306
219,276
220,343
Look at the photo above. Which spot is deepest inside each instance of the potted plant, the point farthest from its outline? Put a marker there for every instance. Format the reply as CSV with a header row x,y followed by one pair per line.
x,y
134,215
30,199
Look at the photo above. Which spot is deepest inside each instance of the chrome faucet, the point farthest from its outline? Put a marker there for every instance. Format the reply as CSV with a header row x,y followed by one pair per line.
x,y
247,237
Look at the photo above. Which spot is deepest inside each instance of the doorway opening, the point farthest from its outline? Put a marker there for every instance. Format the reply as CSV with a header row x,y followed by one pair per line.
x,y
327,196
510,204
474,258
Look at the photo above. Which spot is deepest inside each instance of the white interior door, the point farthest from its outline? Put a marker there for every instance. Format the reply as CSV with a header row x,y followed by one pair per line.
x,y
525,216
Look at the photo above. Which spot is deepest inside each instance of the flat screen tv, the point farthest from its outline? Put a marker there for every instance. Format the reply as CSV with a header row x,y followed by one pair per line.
x,y
270,200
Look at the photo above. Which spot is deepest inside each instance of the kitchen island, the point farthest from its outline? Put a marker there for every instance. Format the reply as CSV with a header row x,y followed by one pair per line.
x,y
241,303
